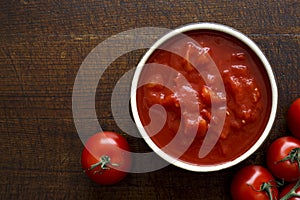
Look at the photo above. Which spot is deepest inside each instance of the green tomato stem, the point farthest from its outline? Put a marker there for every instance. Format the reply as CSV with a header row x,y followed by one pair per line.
x,y
266,187
292,192
293,157
103,164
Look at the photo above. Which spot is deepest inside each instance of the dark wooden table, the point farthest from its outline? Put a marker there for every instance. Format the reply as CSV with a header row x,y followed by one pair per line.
x,y
42,46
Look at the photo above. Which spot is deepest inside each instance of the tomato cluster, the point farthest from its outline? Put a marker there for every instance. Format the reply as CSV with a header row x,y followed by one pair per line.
x,y
106,160
280,179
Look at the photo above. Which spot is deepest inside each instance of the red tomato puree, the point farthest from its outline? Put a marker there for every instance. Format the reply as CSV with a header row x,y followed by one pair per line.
x,y
247,97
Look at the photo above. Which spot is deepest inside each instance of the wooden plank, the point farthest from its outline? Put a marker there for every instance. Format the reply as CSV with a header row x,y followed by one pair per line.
x,y
43,44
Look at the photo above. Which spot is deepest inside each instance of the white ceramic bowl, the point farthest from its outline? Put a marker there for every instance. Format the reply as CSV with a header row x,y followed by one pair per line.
x,y
236,34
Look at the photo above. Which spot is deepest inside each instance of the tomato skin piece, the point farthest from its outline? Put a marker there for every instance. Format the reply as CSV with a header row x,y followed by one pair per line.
x,y
277,151
110,145
293,118
246,184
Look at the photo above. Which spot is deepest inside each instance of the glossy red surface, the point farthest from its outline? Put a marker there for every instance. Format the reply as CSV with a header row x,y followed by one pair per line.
x,y
187,96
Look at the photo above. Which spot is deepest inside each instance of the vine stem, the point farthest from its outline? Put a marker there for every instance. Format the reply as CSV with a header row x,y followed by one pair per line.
x,y
292,192
293,157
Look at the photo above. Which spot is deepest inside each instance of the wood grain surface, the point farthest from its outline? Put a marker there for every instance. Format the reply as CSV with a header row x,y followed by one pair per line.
x,y
42,46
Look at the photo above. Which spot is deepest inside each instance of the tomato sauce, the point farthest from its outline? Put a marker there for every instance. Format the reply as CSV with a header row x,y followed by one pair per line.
x,y
247,96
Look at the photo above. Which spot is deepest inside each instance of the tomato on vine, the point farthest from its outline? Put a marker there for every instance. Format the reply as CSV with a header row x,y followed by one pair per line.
x,y
254,182
293,118
106,158
283,158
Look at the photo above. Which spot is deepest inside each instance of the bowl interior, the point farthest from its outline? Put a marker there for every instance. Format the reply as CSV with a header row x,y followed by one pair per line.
x,y
172,148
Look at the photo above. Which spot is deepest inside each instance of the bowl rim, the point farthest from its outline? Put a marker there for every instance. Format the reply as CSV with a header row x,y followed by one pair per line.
x,y
248,42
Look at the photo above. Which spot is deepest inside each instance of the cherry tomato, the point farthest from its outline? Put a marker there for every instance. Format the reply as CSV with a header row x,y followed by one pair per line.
x,y
254,182
283,158
291,191
293,118
103,158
